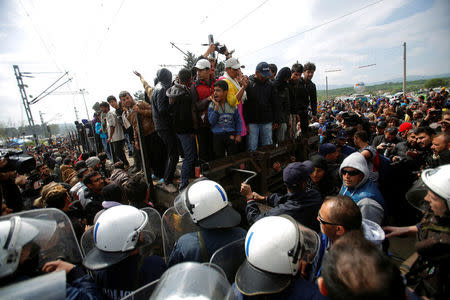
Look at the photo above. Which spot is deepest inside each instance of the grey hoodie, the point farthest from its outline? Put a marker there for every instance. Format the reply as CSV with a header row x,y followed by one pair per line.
x,y
358,161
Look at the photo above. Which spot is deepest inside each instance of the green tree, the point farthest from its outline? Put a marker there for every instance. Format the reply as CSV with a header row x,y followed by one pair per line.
x,y
139,95
435,82
189,60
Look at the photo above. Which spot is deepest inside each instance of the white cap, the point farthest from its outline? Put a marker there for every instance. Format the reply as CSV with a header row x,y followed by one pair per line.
x,y
203,64
232,63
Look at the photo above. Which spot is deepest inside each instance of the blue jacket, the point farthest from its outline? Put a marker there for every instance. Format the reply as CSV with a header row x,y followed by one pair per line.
x,y
303,206
81,286
188,246
98,126
121,279
226,120
367,190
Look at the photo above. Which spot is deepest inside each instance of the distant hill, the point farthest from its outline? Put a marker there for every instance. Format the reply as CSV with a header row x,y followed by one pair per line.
x,y
391,87
408,78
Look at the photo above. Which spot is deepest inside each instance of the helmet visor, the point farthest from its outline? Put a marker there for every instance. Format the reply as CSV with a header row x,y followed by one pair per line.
x,y
181,203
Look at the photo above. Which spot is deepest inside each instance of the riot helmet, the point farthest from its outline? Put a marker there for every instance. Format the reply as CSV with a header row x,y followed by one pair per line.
x,y
274,247
438,181
116,234
207,203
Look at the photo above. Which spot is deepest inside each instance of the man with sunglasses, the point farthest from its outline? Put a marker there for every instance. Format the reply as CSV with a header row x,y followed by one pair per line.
x,y
363,191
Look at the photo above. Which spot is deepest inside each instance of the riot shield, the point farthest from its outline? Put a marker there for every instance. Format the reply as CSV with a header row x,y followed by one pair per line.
x,y
416,194
151,236
55,239
143,293
229,258
50,286
173,226
87,241
156,247
194,281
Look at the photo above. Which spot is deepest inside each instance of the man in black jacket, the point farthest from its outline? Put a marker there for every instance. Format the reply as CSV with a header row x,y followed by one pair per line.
x,y
261,110
183,114
93,195
164,126
300,203
303,94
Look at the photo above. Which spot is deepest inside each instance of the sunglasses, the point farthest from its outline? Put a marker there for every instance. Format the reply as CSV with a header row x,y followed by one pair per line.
x,y
351,173
323,222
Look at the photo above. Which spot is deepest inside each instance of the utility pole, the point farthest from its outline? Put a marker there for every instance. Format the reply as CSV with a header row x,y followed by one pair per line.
x,y
25,102
326,78
44,131
404,69
83,91
76,113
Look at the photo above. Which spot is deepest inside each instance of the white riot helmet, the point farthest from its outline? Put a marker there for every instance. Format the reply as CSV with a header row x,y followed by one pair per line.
x,y
14,234
207,203
274,247
438,181
115,234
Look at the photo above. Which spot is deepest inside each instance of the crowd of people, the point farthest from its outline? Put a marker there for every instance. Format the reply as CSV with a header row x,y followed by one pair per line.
x,y
323,238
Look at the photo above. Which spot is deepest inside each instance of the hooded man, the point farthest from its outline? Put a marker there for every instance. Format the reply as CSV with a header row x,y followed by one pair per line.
x,y
164,126
357,185
300,203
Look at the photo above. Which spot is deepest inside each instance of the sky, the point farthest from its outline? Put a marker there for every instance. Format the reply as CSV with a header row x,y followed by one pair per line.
x,y
99,43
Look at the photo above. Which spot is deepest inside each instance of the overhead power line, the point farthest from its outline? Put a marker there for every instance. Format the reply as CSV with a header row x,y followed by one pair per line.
x,y
314,27
40,36
244,17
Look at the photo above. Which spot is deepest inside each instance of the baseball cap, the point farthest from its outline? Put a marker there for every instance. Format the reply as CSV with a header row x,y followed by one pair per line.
x,y
342,134
203,64
406,126
327,148
296,172
232,63
92,161
382,124
264,69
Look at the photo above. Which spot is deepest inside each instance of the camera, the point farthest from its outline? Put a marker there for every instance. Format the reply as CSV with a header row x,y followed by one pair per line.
x,y
16,162
387,145
222,49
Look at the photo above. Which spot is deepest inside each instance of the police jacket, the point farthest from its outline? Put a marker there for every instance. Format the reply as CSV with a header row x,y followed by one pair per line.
x,y
119,280
160,102
188,246
303,206
262,105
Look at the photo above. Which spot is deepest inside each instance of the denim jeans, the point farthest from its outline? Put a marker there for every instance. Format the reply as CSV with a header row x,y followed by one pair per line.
x,y
190,153
106,147
259,132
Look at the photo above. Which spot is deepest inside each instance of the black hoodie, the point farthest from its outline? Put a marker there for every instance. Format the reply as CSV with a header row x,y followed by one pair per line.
x,y
160,102
282,90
